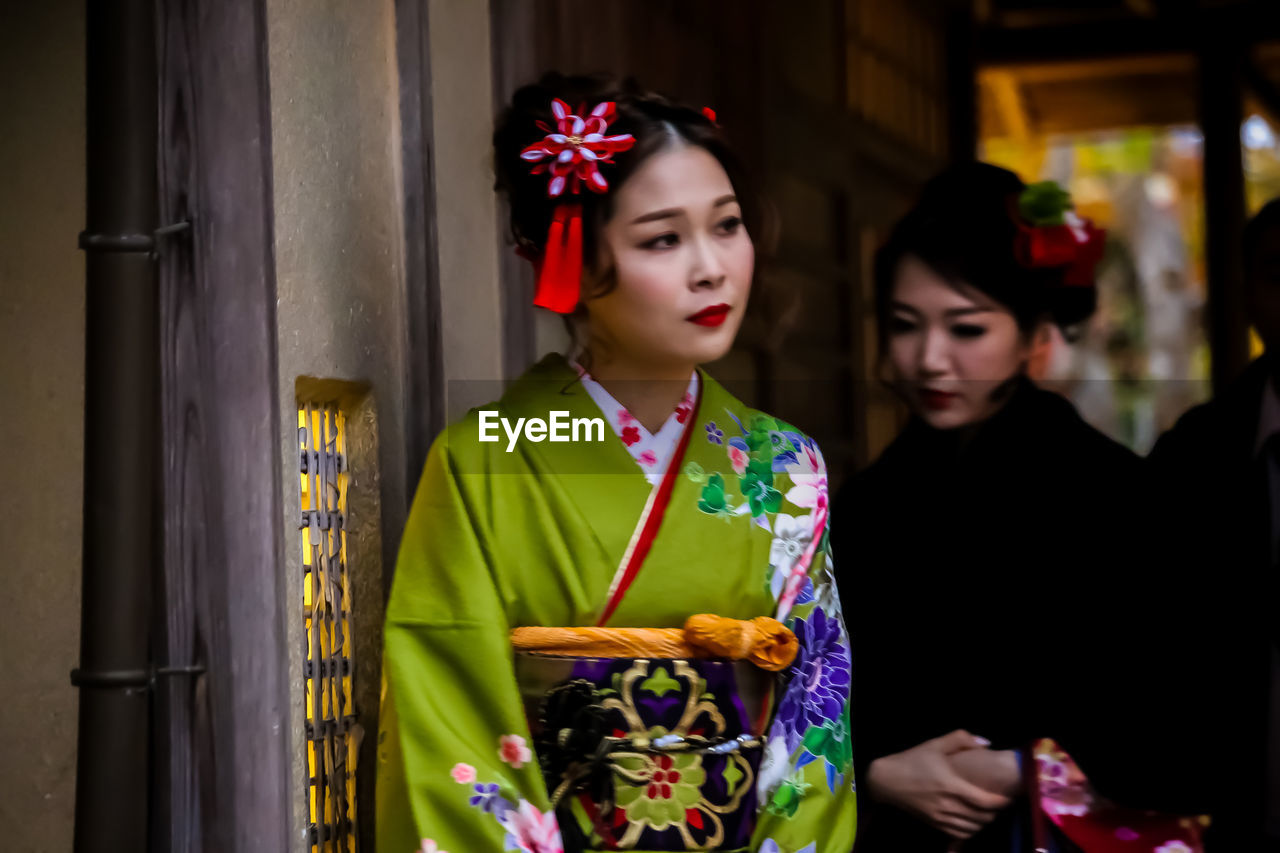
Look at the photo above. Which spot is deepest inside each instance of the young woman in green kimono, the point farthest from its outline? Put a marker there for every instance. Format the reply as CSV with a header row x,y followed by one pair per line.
x,y
681,501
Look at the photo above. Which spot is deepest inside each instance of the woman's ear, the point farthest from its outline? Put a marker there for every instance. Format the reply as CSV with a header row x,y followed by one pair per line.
x,y
598,273
1040,345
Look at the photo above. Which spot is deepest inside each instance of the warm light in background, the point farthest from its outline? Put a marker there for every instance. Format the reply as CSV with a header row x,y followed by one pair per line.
x,y
1143,358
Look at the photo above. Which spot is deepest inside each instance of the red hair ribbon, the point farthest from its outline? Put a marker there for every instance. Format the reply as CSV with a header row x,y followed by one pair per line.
x,y
560,267
571,153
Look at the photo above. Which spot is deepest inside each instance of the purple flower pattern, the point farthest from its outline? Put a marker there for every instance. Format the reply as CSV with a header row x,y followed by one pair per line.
x,y
488,800
819,678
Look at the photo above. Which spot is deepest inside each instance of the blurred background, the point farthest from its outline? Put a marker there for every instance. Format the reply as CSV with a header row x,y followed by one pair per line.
x,y
348,259
844,108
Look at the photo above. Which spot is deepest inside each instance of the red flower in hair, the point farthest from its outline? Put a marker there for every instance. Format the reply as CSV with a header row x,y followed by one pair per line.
x,y
576,147
1076,245
1051,235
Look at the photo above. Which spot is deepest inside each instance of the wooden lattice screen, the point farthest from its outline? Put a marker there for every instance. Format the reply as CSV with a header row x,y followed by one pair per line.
x,y
333,733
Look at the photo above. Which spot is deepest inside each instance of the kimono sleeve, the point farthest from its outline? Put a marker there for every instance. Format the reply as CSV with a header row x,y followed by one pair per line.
x,y
455,767
806,786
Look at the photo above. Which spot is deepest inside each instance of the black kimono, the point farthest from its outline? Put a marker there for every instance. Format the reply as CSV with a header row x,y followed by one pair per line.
x,y
991,576
1212,478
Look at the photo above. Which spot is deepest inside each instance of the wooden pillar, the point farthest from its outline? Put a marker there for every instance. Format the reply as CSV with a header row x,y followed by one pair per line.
x,y
425,364
222,778
1221,113
962,86
515,28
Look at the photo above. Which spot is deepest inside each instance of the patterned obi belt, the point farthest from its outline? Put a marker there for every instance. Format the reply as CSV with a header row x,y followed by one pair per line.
x,y
650,739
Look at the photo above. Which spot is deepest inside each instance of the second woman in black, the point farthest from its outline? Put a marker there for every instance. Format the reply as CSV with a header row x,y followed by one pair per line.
x,y
985,568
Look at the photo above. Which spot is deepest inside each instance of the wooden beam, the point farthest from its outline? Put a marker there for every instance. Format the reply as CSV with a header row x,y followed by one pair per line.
x,y
1242,25
1260,87
516,62
1031,73
1221,111
1031,19
1011,106
1142,8
225,733
960,57
424,382
1267,53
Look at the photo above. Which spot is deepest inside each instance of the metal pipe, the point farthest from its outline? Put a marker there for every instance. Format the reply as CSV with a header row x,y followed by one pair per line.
x,y
121,382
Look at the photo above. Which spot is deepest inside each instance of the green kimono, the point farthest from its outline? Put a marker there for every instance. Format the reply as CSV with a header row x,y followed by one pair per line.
x,y
534,536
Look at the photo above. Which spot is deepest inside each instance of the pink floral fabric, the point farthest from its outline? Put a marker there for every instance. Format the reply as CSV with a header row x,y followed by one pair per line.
x,y
1099,826
653,451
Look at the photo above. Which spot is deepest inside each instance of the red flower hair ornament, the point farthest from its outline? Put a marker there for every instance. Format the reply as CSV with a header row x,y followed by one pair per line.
x,y
571,153
1051,235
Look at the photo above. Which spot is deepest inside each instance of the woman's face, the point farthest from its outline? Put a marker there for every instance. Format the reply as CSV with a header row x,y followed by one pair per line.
x,y
683,263
950,347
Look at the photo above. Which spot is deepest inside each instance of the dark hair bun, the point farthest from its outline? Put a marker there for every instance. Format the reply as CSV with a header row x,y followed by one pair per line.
x,y
965,226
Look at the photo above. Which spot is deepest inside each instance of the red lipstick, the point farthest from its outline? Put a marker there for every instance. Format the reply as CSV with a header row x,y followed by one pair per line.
x,y
713,316
937,400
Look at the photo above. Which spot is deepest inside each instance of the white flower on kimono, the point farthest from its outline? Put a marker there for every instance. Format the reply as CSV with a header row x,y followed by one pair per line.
x,y
824,592
826,597
791,538
463,774
513,750
775,767
809,477
771,846
1173,847
531,831
429,846
1058,807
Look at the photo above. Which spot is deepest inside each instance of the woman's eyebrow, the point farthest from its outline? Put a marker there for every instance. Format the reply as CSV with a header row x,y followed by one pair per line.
x,y
656,215
671,213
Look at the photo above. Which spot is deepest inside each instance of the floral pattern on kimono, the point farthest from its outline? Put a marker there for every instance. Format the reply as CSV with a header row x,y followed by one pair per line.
x,y
812,720
652,451
1099,826
535,536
